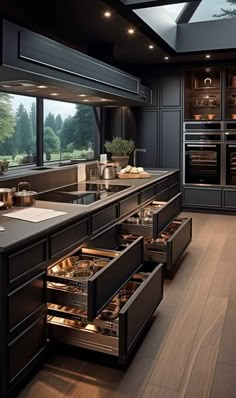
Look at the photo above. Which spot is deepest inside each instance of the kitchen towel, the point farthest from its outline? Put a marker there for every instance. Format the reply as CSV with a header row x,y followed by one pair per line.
x,y
34,214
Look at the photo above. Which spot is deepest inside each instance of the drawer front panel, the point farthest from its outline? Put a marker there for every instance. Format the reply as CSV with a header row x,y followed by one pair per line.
x,y
138,310
26,300
163,196
202,197
162,186
103,285
166,214
230,199
27,259
128,204
173,191
173,180
106,240
178,243
25,347
69,236
147,193
104,217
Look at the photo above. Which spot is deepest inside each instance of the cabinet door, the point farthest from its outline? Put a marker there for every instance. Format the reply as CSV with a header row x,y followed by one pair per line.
x,y
170,138
147,126
171,90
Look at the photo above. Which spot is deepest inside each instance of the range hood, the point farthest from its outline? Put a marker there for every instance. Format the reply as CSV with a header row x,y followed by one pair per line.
x,y
32,64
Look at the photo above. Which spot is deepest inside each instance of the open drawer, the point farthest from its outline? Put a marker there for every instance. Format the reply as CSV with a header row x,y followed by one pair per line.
x,y
88,278
170,243
151,219
117,329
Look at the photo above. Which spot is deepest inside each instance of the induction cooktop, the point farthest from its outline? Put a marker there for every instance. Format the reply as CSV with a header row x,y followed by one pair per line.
x,y
81,193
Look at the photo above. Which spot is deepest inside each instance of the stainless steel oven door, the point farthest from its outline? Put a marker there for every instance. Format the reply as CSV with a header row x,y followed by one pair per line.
x,y
202,164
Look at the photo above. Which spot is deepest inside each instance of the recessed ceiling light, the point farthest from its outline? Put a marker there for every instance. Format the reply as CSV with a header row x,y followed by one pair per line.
x,y
151,46
166,58
207,56
107,14
54,94
131,31
5,85
86,100
82,95
42,86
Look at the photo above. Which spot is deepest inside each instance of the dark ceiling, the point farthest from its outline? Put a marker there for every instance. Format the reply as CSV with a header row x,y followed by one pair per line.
x,y
82,25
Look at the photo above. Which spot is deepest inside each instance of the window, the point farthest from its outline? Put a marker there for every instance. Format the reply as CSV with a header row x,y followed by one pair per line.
x,y
209,10
69,131
17,129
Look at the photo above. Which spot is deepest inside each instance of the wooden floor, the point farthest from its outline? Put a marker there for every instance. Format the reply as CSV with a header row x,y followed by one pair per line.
x,y
190,349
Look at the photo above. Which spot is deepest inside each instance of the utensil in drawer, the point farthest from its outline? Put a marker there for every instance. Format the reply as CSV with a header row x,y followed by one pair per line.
x,y
99,264
81,274
110,312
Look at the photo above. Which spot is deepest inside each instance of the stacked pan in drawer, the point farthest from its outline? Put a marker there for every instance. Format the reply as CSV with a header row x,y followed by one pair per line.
x,y
83,316
166,237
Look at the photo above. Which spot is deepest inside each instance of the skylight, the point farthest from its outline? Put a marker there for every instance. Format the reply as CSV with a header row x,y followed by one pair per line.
x,y
174,10
209,10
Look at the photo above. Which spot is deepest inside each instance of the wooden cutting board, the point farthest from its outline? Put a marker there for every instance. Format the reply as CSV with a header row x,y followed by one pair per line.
x,y
131,175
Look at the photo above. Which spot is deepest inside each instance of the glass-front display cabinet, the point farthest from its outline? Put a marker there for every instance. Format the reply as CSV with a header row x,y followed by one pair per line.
x,y
230,93
203,94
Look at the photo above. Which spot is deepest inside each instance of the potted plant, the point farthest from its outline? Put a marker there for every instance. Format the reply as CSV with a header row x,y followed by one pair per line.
x,y
120,150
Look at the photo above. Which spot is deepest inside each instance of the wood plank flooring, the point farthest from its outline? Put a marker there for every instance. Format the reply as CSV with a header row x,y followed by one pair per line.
x,y
189,350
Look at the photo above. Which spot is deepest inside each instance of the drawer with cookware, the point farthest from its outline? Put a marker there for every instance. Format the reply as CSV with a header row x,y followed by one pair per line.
x,y
117,328
165,236
151,219
88,277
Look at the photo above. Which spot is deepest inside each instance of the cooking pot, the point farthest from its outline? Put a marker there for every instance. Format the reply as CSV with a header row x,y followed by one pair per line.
x,y
6,197
24,197
108,173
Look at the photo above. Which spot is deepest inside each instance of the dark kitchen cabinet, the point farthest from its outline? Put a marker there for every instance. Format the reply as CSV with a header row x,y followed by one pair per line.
x,y
203,197
170,137
171,90
147,137
203,94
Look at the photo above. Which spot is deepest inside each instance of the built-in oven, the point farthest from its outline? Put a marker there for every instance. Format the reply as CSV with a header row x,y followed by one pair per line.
x,y
230,153
202,153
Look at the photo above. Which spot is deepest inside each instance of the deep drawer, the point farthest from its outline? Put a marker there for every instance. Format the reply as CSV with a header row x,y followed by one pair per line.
x,y
93,295
26,300
27,259
24,349
170,251
229,199
160,218
104,217
68,236
117,337
127,205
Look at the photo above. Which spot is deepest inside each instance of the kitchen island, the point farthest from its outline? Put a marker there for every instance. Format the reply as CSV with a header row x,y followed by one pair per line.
x,y
28,249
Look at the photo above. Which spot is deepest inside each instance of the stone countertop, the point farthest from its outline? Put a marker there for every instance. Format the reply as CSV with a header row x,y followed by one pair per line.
x,y
16,231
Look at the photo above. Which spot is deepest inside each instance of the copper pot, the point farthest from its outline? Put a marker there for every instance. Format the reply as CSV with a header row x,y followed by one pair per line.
x,y
6,197
24,197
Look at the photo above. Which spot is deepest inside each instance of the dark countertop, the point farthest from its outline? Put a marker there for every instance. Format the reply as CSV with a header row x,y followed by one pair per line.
x,y
18,230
